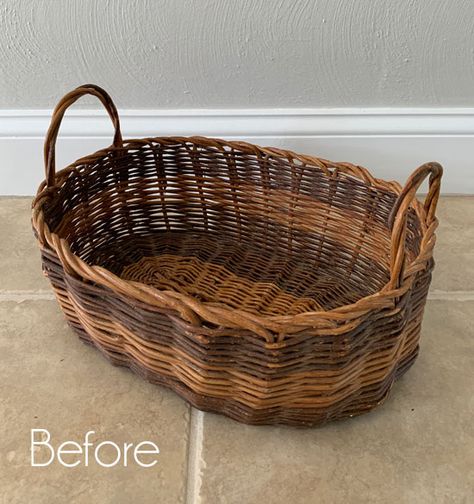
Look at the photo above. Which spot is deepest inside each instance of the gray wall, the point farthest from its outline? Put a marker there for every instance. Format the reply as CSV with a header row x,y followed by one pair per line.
x,y
239,53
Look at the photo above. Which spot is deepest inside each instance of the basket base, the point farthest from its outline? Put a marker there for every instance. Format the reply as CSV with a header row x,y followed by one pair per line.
x,y
244,276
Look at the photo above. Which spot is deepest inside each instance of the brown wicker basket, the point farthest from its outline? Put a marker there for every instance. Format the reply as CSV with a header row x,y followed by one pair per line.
x,y
255,282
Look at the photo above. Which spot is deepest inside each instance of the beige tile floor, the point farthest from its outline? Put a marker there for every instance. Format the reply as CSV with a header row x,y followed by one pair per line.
x,y
417,448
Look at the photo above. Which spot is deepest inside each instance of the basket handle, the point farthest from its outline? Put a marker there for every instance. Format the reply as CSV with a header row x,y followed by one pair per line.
x,y
398,216
66,101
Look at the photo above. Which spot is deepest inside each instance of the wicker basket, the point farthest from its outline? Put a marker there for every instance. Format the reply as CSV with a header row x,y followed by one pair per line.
x,y
272,287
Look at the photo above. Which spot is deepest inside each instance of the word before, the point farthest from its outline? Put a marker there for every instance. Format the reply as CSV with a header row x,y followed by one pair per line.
x,y
72,454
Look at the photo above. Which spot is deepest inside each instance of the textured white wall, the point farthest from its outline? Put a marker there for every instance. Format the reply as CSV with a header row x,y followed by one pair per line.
x,y
239,53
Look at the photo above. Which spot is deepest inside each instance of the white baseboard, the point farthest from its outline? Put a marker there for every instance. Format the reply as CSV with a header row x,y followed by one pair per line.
x,y
390,142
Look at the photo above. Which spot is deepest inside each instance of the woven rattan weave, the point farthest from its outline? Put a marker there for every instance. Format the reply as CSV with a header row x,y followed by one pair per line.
x,y
255,282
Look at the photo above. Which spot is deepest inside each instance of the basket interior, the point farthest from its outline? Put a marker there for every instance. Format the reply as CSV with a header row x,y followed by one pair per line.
x,y
262,233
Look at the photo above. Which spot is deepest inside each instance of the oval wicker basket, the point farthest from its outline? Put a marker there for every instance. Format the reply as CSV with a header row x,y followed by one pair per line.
x,y
255,282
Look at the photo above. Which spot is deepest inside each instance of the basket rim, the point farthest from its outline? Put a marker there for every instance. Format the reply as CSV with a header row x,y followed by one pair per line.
x,y
194,311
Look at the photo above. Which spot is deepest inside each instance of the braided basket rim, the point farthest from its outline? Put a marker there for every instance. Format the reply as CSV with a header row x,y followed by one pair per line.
x,y
190,308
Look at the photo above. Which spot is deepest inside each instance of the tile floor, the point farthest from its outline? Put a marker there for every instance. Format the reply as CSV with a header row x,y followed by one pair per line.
x,y
417,448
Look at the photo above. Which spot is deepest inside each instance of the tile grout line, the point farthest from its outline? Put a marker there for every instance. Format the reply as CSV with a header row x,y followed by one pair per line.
x,y
440,295
194,457
26,295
